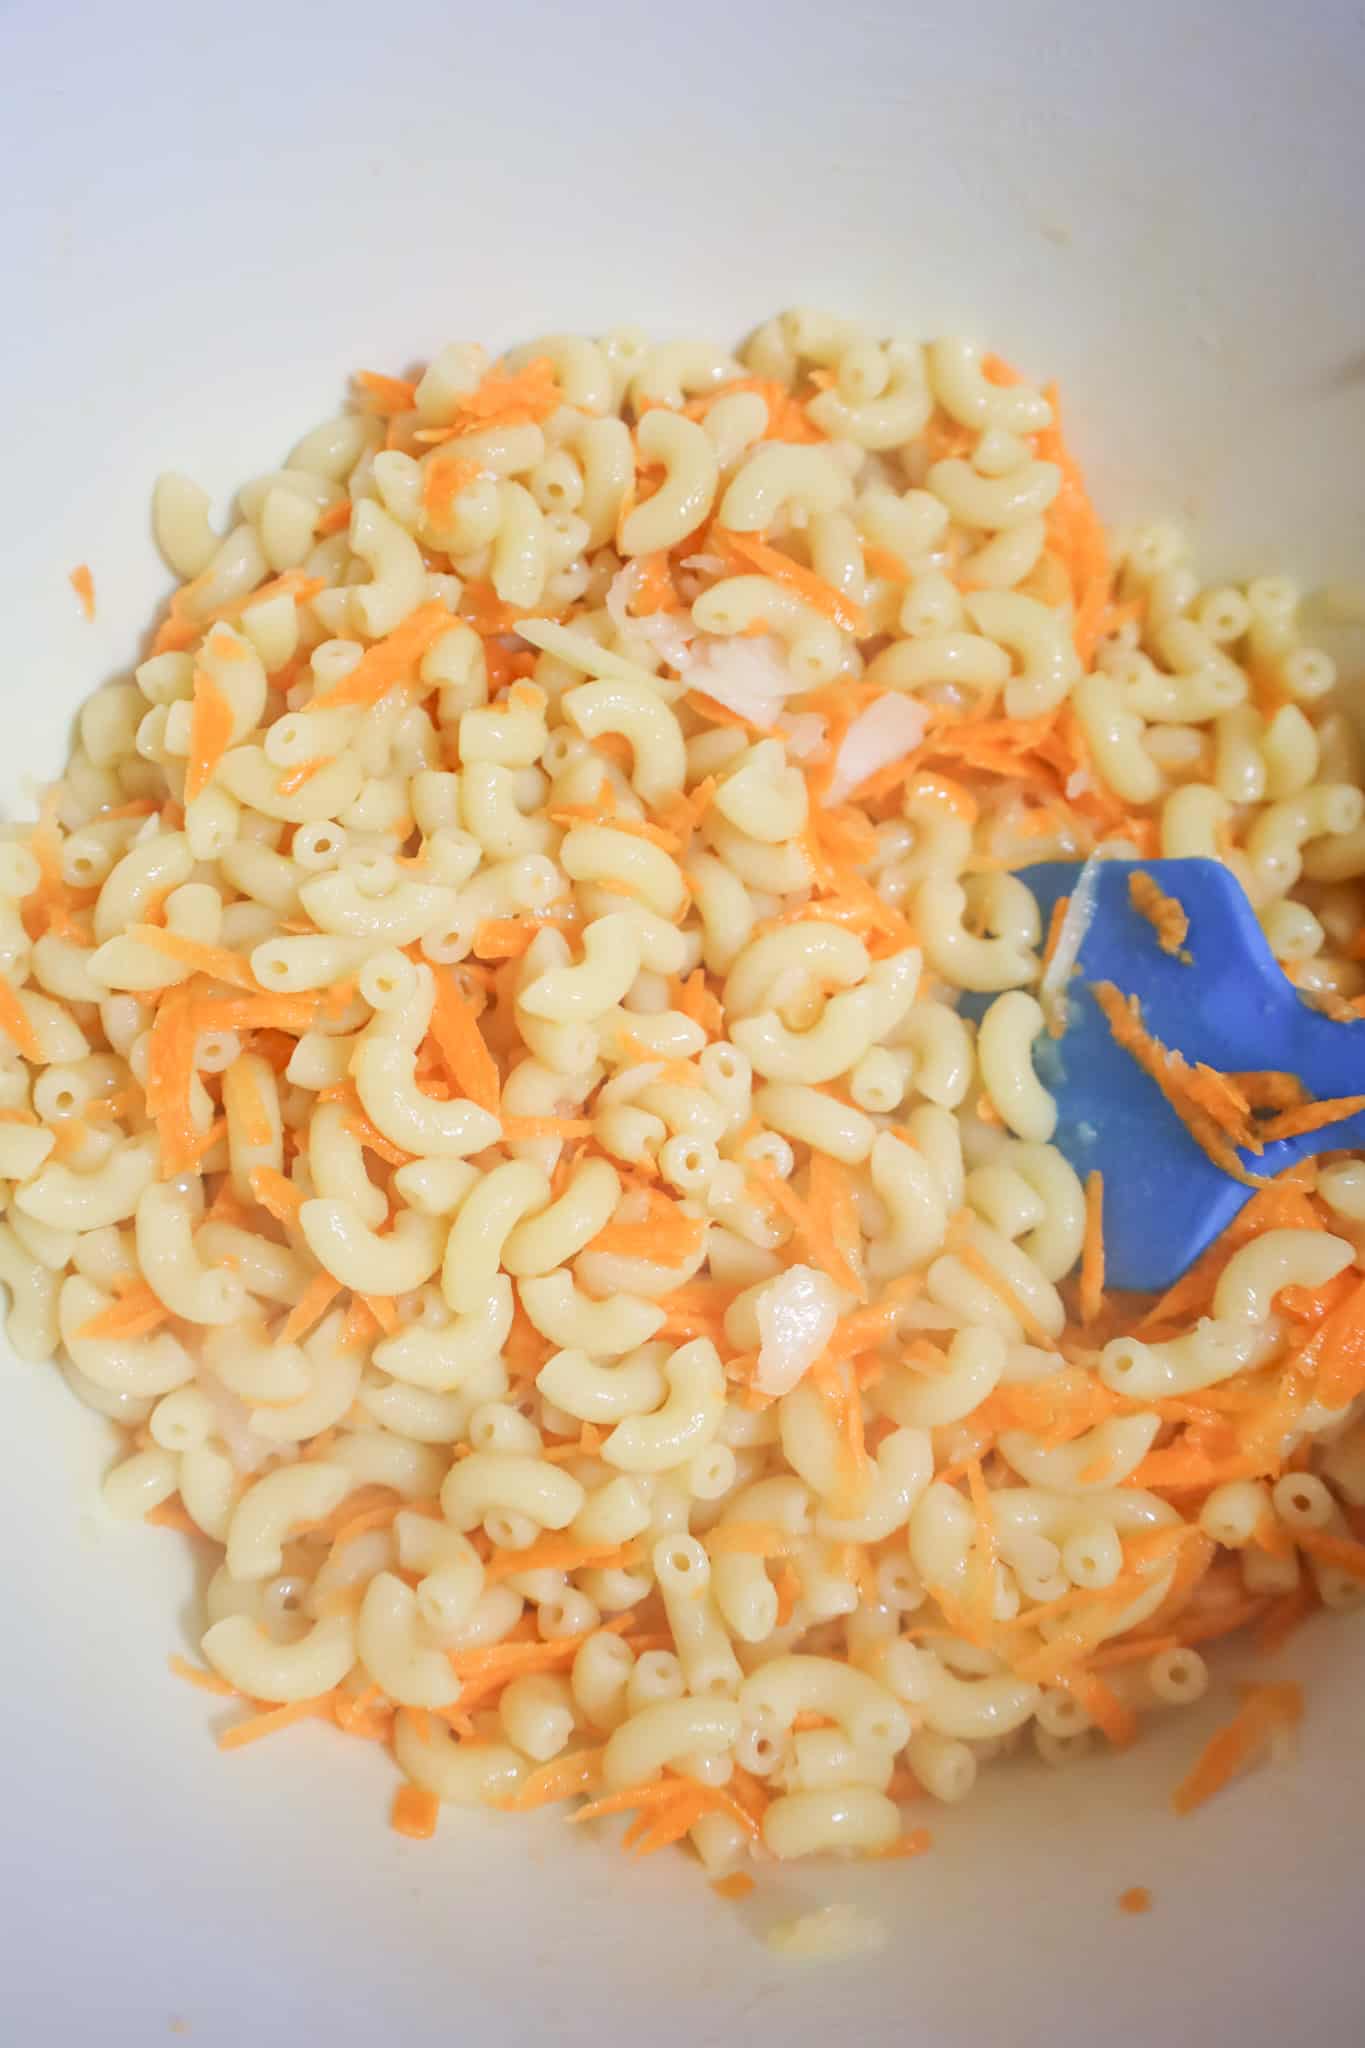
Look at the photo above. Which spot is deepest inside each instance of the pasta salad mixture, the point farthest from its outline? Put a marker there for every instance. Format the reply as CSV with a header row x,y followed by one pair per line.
x,y
485,1108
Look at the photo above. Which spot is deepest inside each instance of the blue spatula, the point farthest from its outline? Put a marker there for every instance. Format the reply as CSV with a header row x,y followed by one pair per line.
x,y
1230,1006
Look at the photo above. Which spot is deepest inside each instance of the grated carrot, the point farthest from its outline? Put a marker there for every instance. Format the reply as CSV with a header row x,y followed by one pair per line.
x,y
14,1022
561,1778
136,1314
1265,1711
633,1798
914,1842
879,561
1165,914
295,779
171,1515
311,1306
359,1126
666,1233
383,1309
444,478
243,1100
246,1012
866,1328
1211,1117
170,1080
414,1813
502,399
754,554
83,583
1076,537
1335,1354
1328,1548
1309,1116
273,1719
390,661
737,1885
455,1028
504,938
207,1681
1092,1252
788,419
215,961
385,396
1137,1899
275,1193
822,1220
1118,1722
520,1129
211,723
334,520
653,590
983,1269
560,1554
1054,929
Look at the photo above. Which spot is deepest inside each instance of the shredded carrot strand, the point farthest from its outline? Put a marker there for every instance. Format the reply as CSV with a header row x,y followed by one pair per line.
x,y
1092,1252
389,661
83,583
454,1026
1167,917
1235,1748
211,723
136,1314
15,1023
414,1813
207,1681
273,1719
753,553
311,1306
276,1194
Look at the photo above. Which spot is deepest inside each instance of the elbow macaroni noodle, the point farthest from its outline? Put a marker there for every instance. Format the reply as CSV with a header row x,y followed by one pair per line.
x,y
501,1142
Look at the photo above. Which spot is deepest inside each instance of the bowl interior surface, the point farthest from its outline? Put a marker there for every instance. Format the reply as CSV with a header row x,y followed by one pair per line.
x,y
209,222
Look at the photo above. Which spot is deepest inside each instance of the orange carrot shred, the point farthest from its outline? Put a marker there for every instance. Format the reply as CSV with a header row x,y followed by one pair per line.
x,y
211,723
389,661
243,1099
276,1194
136,1314
1137,1899
414,1813
1310,1116
83,583
15,1023
1234,1749
311,1306
207,1681
272,1720
454,1026
1167,917
385,396
1328,1548
752,553
560,1778
1092,1253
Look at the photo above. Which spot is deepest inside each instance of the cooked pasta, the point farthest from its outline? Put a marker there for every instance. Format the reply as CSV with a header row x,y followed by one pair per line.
x,y
485,1111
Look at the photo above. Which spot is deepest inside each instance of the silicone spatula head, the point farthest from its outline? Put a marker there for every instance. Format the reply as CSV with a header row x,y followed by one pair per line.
x,y
1223,1000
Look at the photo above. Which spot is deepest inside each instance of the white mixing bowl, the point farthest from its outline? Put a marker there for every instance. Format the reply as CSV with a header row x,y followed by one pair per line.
x,y
211,217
